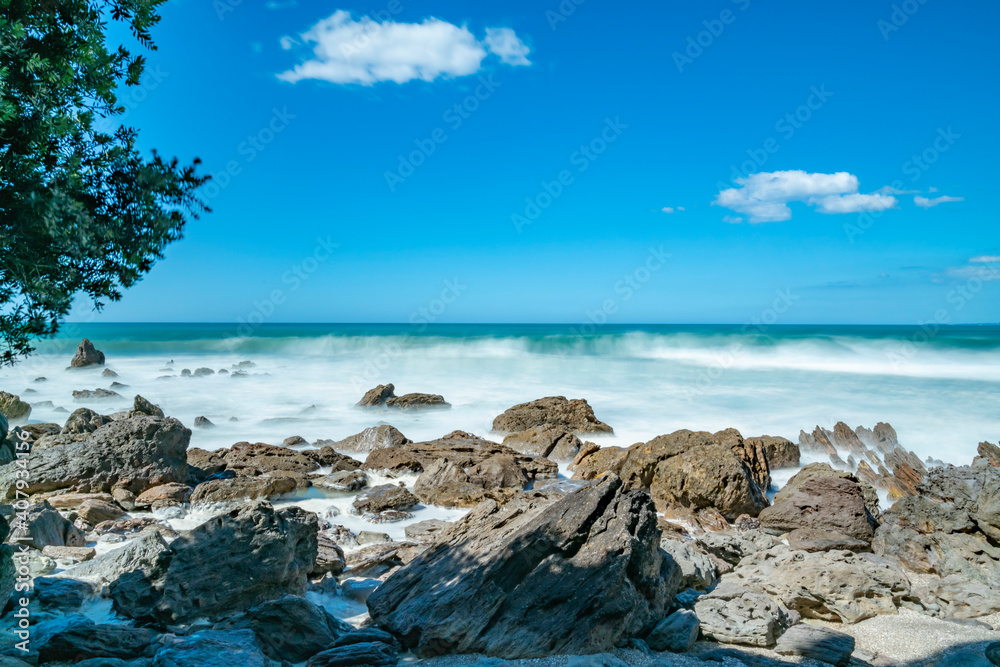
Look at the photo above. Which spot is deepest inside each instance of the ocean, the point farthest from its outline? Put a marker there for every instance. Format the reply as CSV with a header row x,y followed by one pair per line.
x,y
939,387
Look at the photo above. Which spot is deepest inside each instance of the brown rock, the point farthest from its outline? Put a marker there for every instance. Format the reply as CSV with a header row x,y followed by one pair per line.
x,y
594,463
255,459
66,501
575,415
824,503
164,495
553,442
328,457
87,355
779,452
242,488
990,452
377,397
417,402
813,539
97,511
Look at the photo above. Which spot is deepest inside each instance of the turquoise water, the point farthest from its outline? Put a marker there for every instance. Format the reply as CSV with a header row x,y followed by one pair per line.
x,y
938,386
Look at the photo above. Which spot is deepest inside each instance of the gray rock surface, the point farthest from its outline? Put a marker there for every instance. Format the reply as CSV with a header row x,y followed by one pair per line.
x,y
553,442
375,437
43,526
818,643
676,633
529,579
140,554
735,614
822,503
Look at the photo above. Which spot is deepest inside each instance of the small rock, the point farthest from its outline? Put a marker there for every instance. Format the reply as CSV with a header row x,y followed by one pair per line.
x,y
108,373
13,408
385,497
87,355
676,633
203,422
95,395
345,481
164,495
98,511
817,643
203,372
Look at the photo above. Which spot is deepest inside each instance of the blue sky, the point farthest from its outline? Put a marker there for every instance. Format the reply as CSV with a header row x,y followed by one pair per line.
x,y
660,162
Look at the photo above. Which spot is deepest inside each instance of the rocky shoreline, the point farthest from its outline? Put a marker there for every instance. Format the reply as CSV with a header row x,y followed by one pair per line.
x,y
546,548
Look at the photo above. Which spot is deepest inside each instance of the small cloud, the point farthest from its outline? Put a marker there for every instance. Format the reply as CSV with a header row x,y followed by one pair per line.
x,y
765,196
672,209
366,51
288,4
985,259
931,189
984,267
924,202
889,190
732,219
503,42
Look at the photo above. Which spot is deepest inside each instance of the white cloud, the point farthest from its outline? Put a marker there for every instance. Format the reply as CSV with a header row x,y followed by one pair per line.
x,y
274,4
366,51
765,196
984,267
924,202
503,42
985,259
672,209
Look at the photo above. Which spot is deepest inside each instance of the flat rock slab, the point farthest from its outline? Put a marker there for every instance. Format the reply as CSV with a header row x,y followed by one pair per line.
x,y
817,643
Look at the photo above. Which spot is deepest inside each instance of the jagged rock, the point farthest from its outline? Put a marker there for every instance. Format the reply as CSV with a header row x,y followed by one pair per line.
x,y
242,488
377,397
417,402
676,633
778,452
698,570
328,457
990,452
86,355
733,546
140,406
592,463
290,628
75,637
823,503
259,552
13,408
164,495
98,394
845,438
817,470
108,373
837,586
94,511
201,421
213,648
384,497
818,643
134,453
138,555
43,526
575,415
500,471
329,557
250,460
818,442
365,654
36,431
553,442
344,481
375,437
463,449
208,463
812,539
734,614
578,575
84,420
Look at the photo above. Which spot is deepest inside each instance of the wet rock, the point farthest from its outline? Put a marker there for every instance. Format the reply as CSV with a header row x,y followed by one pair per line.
x,y
343,481
375,437
138,555
99,394
290,628
202,421
365,654
818,643
553,442
575,415
164,495
384,497
86,355
578,575
208,463
377,397
249,459
134,453
735,614
676,633
823,503
279,547
75,637
202,372
328,457
213,648
417,402
238,489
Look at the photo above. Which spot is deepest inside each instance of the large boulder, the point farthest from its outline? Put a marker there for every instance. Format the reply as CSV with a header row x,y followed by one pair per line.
x,y
377,396
736,614
140,554
13,408
260,553
75,637
290,628
816,470
240,489
375,437
575,415
837,586
823,503
251,459
86,355
134,453
43,526
531,579
417,402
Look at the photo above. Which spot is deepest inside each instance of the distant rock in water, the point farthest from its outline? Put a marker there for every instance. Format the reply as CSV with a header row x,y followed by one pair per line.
x,y
575,415
95,395
375,437
534,578
384,396
86,355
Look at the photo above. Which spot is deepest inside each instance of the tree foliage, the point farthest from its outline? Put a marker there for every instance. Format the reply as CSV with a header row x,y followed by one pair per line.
x,y
81,210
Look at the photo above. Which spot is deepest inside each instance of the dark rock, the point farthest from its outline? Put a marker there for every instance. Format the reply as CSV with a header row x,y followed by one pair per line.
x,y
242,488
463,449
823,503
140,406
86,355
250,460
384,497
62,593
417,402
365,654
259,552
84,420
993,653
329,557
134,453
553,442
98,394
376,437
365,635
213,648
534,578
202,372
575,415
290,628
73,638
208,463
203,422
816,470
817,643
328,457
43,526
377,397
676,633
